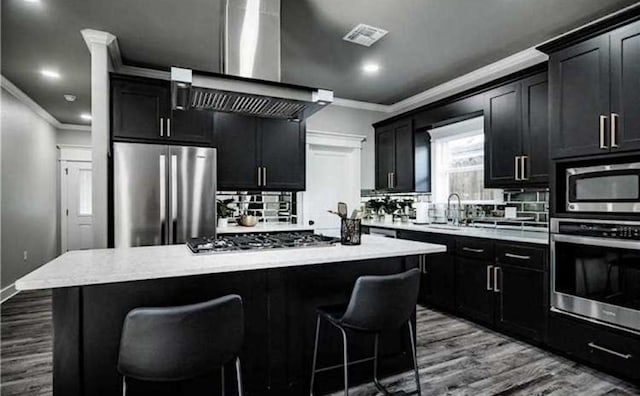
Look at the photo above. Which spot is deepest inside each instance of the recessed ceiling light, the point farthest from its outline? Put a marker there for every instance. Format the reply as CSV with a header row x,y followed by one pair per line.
x,y
85,116
371,68
50,73
70,98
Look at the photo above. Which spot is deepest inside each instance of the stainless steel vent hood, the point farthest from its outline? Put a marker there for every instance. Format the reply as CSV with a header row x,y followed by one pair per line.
x,y
250,82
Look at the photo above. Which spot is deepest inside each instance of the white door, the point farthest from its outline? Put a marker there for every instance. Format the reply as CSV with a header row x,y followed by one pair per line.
x,y
333,175
76,205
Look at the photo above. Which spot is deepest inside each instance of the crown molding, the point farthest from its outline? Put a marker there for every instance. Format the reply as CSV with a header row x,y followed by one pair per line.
x,y
92,36
501,68
144,72
36,108
334,139
356,104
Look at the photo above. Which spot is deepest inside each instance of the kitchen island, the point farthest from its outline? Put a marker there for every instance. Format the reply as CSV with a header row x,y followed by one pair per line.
x,y
93,290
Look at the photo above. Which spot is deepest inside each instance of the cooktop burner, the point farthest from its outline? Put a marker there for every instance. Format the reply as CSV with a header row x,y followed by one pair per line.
x,y
247,242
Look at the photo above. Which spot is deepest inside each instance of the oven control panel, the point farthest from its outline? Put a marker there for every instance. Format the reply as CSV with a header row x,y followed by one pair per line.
x,y
601,230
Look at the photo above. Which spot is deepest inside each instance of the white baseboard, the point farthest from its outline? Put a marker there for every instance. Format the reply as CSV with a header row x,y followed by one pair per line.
x,y
8,292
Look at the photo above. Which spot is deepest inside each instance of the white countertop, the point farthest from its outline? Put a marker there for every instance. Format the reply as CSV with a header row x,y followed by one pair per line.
x,y
538,237
90,267
261,227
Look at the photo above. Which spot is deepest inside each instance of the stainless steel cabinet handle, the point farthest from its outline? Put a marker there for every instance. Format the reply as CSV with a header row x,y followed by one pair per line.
x,y
523,169
496,271
467,249
168,127
603,122
609,351
162,127
259,176
614,130
424,264
517,168
517,256
264,175
392,178
489,268
388,179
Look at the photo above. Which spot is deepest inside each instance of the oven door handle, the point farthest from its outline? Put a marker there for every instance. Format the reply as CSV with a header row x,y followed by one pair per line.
x,y
592,241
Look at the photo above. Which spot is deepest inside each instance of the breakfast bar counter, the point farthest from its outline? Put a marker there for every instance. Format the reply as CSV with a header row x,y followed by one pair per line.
x,y
93,291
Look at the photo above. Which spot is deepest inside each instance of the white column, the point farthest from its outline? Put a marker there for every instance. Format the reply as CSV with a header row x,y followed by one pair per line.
x,y
98,43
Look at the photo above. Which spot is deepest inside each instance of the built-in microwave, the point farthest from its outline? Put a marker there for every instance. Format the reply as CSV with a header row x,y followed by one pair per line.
x,y
611,188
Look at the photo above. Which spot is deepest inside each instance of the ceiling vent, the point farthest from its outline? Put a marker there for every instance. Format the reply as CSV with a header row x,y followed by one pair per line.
x,y
365,35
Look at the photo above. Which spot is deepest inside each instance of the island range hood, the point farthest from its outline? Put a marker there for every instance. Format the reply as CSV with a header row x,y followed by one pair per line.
x,y
250,82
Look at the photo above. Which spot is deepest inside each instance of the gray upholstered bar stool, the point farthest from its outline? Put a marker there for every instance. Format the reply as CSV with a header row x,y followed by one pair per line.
x,y
377,304
179,343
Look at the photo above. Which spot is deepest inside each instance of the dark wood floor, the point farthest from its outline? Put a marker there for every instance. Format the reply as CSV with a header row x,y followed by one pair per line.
x,y
456,357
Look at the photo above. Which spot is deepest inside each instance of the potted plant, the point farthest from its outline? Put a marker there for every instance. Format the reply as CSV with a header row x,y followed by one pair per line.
x,y
390,206
224,211
405,209
374,205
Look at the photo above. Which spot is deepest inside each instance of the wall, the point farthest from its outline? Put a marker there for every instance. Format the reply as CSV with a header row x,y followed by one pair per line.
x,y
351,121
28,162
73,137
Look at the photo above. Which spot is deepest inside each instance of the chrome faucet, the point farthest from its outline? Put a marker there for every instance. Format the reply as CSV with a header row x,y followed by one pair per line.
x,y
456,219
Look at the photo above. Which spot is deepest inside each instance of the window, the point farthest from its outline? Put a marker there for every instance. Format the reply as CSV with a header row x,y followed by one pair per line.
x,y
458,163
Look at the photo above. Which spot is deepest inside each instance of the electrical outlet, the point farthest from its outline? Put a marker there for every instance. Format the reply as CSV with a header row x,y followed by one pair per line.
x,y
24,255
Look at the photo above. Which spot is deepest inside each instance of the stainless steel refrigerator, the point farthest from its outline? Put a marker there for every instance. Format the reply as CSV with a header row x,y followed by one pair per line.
x,y
162,194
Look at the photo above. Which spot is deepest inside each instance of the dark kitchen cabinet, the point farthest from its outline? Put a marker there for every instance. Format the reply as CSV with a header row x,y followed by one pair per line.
x,y
594,94
141,111
259,154
625,88
140,108
516,134
283,154
474,296
579,83
236,141
437,285
395,156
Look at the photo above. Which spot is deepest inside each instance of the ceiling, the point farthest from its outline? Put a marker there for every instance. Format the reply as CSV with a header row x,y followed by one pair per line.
x,y
429,41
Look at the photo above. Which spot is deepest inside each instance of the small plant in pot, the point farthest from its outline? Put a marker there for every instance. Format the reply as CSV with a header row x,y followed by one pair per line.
x,y
405,209
224,211
374,206
390,206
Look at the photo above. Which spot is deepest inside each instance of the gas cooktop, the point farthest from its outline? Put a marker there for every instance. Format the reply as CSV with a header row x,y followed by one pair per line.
x,y
249,242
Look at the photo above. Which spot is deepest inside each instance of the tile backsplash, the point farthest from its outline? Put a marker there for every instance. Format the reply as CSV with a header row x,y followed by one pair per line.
x,y
529,203
268,206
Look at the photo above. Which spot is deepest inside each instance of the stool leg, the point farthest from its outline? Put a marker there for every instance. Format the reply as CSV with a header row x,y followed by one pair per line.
x,y
239,377
377,383
315,355
414,352
222,387
346,362
124,386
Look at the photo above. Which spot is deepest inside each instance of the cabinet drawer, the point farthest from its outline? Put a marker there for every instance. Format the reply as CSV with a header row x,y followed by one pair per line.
x,y
608,349
521,255
479,249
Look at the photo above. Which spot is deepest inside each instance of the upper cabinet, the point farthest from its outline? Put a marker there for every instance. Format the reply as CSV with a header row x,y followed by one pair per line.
x,y
141,111
259,153
594,95
516,133
396,158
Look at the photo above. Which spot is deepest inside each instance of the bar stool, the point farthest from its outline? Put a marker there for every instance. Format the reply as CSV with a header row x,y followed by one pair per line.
x,y
179,343
377,304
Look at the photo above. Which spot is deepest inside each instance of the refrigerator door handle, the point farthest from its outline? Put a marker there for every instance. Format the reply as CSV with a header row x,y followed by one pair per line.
x,y
163,198
174,199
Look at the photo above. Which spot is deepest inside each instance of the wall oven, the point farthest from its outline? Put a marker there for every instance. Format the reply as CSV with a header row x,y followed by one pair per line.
x,y
595,271
613,188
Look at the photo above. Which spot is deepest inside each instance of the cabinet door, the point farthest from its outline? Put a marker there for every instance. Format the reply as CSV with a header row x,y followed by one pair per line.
x,y
579,84
403,177
139,109
535,130
385,153
625,87
283,154
440,280
236,140
191,126
502,131
474,298
521,297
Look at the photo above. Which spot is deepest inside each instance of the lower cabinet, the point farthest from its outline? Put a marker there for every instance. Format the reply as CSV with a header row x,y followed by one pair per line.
x,y
474,297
